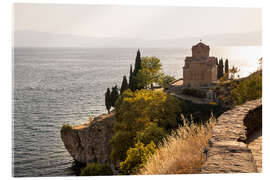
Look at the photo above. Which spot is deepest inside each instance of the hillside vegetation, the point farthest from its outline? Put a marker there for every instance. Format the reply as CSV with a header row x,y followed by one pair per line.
x,y
182,152
237,92
142,117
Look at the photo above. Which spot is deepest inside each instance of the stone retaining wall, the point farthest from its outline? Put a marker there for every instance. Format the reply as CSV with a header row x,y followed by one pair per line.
x,y
228,152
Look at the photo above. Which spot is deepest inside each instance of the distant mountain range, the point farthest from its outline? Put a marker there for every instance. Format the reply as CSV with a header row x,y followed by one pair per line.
x,y
43,39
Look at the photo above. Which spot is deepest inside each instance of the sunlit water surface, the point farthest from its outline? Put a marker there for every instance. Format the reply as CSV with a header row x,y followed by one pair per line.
x,y
57,86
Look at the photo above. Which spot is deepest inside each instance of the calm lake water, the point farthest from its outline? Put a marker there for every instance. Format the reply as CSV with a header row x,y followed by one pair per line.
x,y
67,85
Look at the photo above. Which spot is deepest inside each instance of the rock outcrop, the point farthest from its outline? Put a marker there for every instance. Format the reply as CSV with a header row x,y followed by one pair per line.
x,y
90,142
228,151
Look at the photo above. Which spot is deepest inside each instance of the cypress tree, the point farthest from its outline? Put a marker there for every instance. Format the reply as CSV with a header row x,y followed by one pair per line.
x,y
114,95
220,72
133,84
138,66
130,85
107,100
130,74
124,85
216,61
138,62
227,68
221,68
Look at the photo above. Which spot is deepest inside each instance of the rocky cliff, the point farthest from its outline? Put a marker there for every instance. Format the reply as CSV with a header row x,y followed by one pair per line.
x,y
90,142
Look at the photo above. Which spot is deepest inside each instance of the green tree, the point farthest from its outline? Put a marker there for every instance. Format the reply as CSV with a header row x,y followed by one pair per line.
x,y
226,69
220,71
114,95
137,157
130,84
124,85
150,72
108,100
96,169
134,84
216,59
165,81
138,63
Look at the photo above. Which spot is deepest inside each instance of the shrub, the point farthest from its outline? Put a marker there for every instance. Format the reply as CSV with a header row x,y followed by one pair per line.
x,y
194,92
96,169
66,128
138,109
136,157
182,152
136,112
151,133
121,142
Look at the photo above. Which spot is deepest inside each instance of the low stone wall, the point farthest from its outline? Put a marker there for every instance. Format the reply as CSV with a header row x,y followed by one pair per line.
x,y
228,152
253,121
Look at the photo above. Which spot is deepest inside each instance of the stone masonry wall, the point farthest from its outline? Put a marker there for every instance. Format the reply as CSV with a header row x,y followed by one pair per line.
x,y
228,152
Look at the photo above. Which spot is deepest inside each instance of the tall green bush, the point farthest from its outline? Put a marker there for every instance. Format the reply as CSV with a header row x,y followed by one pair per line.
x,y
137,157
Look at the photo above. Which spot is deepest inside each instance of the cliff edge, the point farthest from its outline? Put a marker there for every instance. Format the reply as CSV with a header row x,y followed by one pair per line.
x,y
90,142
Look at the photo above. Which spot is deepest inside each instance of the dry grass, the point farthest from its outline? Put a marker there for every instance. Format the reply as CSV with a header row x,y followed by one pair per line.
x,y
182,152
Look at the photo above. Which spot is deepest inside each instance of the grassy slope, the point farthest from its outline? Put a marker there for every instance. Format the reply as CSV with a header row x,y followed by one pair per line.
x,y
183,152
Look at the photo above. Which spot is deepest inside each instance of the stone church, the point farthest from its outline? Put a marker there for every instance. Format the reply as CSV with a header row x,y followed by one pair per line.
x,y
199,69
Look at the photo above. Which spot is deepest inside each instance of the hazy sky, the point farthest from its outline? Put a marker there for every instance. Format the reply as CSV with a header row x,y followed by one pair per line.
x,y
148,22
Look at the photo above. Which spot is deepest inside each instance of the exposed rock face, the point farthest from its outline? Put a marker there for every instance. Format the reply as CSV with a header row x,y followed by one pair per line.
x,y
90,142
228,152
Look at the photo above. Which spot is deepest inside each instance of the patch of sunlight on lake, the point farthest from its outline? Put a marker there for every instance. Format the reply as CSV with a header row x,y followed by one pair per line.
x,y
244,57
